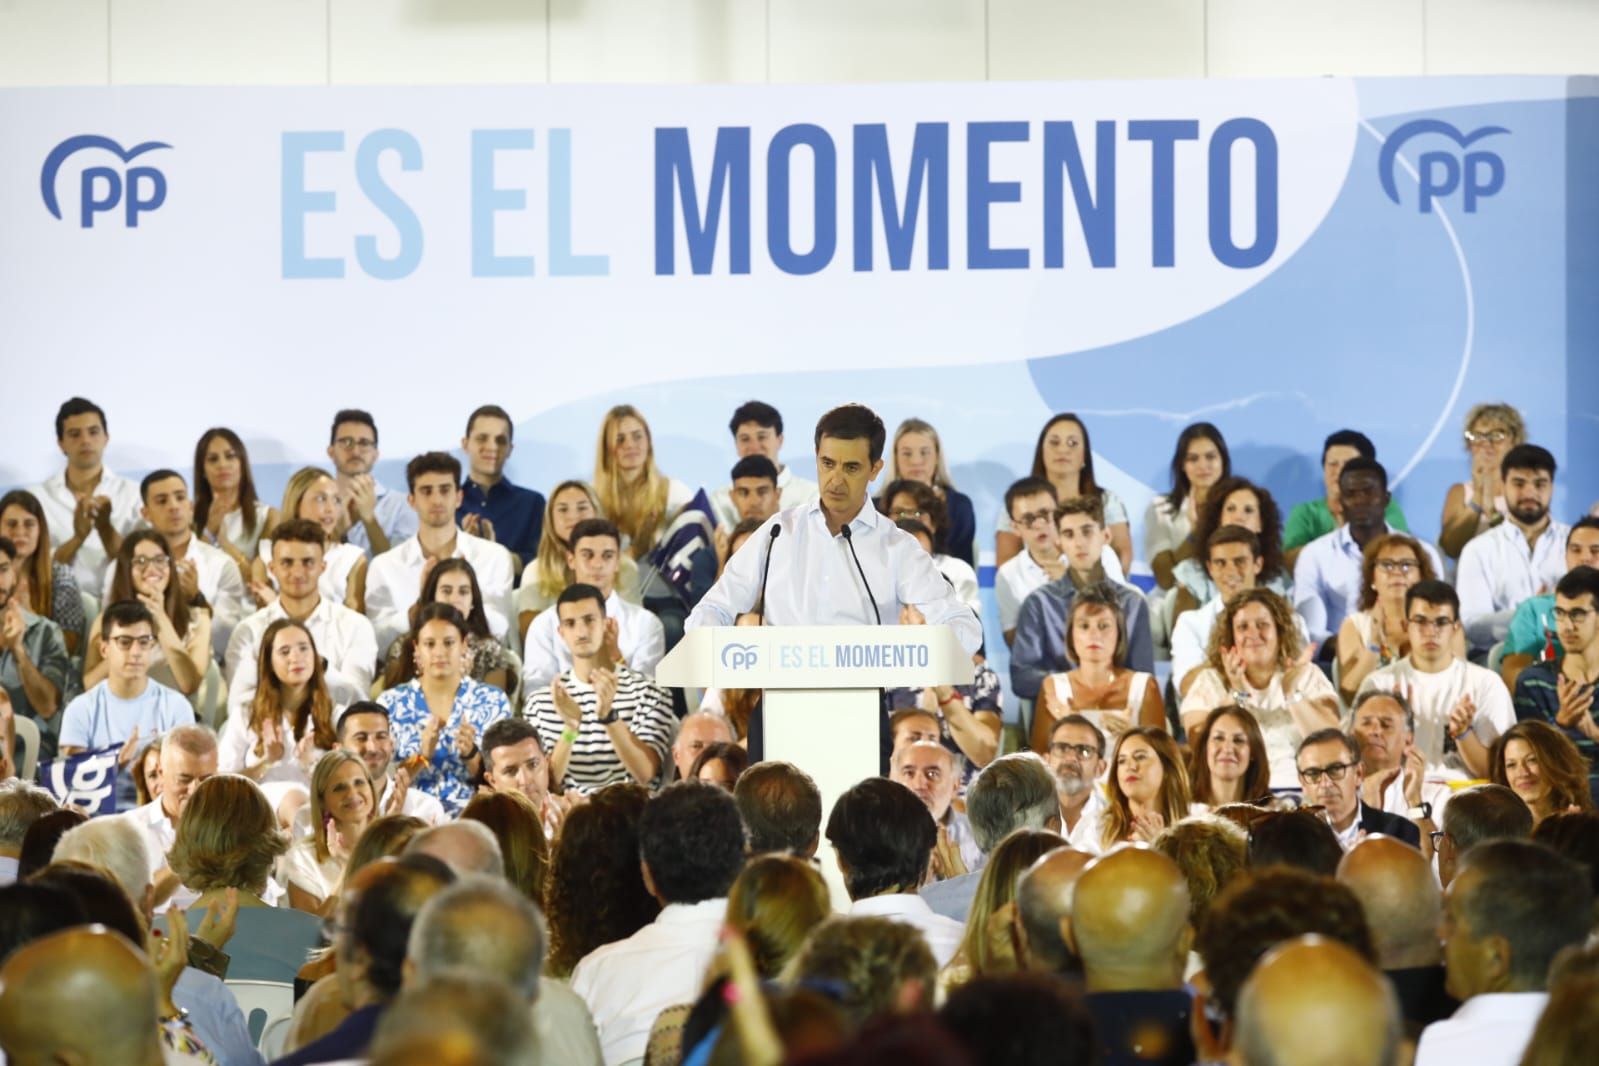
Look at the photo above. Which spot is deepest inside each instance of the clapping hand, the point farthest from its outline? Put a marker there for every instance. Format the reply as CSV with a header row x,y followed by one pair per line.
x,y
910,615
1232,661
567,707
402,785
130,748
271,746
12,625
947,861
220,918
1147,827
430,738
604,682
1461,715
1576,703
465,739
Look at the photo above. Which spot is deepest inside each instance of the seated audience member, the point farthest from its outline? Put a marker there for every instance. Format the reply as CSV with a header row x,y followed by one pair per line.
x,y
514,821
376,915
916,454
514,761
918,509
1283,1007
719,765
456,1016
127,706
363,731
1331,772
601,721
1234,561
633,636
394,580
342,803
227,513
874,968
1043,913
1403,905
1327,576
39,844
1227,760
1211,852
453,582
1199,461
754,496
143,573
1030,514
1013,792
781,808
1040,645
596,857
1076,756
1147,789
1460,707
35,671
198,568
44,586
1560,692
1475,506
438,718
1509,911
1567,1033
883,837
345,638
1541,765
224,850
933,773
21,804
1534,634
695,733
1574,834
490,506
963,718
1378,634
188,757
1395,773
1518,557
757,430
570,503
312,495
290,723
87,508
988,947
1233,501
378,518
1020,1020
691,846
1100,687
468,847
1316,518
1257,662
1476,815
1130,927
632,491
1064,459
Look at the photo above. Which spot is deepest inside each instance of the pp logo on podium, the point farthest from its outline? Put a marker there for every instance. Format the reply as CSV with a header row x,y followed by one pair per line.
x,y
740,656
1476,175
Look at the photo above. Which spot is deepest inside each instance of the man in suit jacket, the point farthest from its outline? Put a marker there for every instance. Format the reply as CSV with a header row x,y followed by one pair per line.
x,y
1330,773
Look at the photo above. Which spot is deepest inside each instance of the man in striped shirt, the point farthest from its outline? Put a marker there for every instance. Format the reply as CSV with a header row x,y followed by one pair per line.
x,y
600,721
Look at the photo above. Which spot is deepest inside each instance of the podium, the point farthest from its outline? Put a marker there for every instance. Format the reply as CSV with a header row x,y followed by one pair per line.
x,y
821,705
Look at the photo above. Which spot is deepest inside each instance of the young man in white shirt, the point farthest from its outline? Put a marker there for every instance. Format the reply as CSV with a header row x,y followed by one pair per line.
x,y
188,756
757,429
1030,503
395,579
89,509
363,731
344,639
634,636
1461,708
127,708
379,518
1520,557
755,497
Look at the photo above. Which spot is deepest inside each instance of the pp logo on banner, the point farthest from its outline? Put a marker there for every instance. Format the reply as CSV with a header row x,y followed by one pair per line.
x,y
1477,175
87,781
139,190
740,656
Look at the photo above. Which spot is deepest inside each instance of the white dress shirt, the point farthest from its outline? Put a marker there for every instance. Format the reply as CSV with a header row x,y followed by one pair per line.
x,y
628,982
1088,834
814,580
91,563
943,934
1486,1030
394,516
792,490
1432,696
159,835
962,578
220,583
639,637
565,1029
1327,578
1497,571
394,581
342,637
1021,576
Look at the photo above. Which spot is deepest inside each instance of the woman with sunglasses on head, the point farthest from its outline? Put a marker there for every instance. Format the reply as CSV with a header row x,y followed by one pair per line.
x,y
182,652
1377,635
1476,506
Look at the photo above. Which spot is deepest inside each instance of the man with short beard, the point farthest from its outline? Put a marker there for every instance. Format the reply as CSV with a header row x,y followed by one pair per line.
x,y
1076,755
1517,558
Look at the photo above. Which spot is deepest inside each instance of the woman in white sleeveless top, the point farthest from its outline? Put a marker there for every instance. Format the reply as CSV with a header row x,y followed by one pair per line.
x,y
1101,688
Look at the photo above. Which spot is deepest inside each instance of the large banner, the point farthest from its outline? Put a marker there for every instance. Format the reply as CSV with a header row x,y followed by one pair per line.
x,y
1283,258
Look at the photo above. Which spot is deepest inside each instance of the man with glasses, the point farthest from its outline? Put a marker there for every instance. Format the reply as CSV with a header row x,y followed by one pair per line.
x,y
1076,756
127,708
1030,503
1461,708
35,670
1330,773
1561,691
379,518
1520,556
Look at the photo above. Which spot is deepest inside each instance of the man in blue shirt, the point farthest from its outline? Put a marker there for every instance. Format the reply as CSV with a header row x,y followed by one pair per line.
x,y
379,517
491,507
127,706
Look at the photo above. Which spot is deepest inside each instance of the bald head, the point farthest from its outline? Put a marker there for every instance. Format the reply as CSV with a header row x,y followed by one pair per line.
x,y
1315,1002
1130,920
466,847
1403,903
84,965
1044,907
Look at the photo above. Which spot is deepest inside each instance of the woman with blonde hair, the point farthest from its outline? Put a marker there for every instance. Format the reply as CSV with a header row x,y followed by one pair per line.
x,y
570,502
290,722
1476,506
916,454
313,494
343,802
182,649
632,491
1378,634
516,824
1148,788
227,514
987,948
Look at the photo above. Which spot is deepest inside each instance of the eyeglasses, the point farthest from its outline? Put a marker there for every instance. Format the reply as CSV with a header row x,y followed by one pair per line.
x,y
1027,519
146,562
1437,838
1083,752
1333,772
1493,436
1576,615
908,514
1398,566
1441,624
355,444
129,643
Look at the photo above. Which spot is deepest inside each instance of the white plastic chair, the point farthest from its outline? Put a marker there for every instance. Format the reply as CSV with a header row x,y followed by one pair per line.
x,y
263,1004
273,1038
210,699
28,733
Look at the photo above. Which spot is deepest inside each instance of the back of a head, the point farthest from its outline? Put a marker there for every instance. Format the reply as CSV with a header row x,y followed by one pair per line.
x,y
516,825
115,846
1536,899
483,926
776,901
21,804
1013,792
30,910
99,896
1130,909
466,847
383,901
1316,1002
1300,839
1574,834
460,1019
871,962
1485,812
781,808
80,966
594,890
39,842
884,836
1020,1020
692,842
1210,852
228,836
1395,884
1568,1030
1043,901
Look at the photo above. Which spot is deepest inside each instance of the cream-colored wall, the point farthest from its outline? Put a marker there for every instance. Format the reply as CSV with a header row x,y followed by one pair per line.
x,y
340,42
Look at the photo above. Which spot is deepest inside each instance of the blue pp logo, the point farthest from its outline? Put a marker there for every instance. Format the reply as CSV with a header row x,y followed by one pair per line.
x,y
740,656
137,189
1439,173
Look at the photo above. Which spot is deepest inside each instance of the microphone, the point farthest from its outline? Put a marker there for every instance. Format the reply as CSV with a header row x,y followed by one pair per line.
x,y
850,540
760,597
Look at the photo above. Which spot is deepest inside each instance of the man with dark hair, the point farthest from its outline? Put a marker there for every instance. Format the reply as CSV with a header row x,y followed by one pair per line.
x,y
755,492
883,836
363,730
1013,792
1533,633
1044,912
1513,907
1076,756
395,578
1561,691
1327,574
379,518
491,507
1403,904
1475,816
127,708
1030,505
757,430
195,565
1460,707
691,846
1316,518
781,808
1330,771
88,508
514,760
36,674
1233,559
1518,557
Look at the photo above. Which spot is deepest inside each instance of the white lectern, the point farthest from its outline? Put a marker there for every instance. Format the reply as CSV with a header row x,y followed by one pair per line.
x,y
821,708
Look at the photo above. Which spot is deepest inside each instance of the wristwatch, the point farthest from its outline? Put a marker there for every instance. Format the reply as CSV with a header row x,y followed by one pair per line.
x,y
1421,813
608,719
